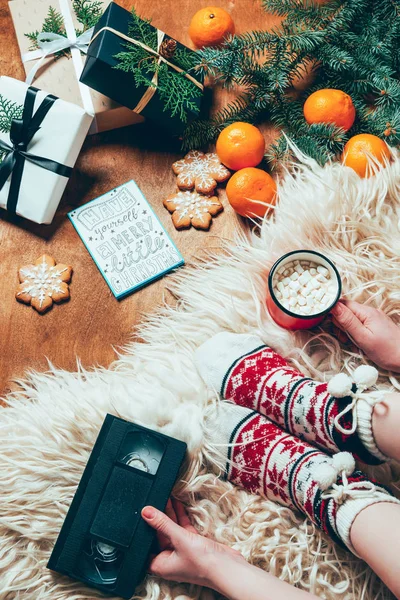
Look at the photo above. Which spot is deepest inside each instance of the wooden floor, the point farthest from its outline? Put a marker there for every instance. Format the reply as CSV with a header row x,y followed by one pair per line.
x,y
93,321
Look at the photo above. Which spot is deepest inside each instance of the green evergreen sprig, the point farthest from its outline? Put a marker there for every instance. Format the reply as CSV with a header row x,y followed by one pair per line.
x,y
8,111
88,12
353,45
177,93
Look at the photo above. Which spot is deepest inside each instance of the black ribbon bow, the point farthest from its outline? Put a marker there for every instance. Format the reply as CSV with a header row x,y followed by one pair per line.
x,y
21,134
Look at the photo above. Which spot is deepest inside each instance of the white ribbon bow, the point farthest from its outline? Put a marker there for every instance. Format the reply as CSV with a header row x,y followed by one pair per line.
x,y
51,43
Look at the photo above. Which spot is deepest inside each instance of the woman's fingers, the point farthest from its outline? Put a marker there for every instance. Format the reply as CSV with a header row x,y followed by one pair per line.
x,y
159,564
339,334
361,311
163,541
169,532
170,511
348,321
182,516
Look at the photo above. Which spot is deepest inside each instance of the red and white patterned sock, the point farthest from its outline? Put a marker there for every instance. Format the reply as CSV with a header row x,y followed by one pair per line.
x,y
259,456
334,416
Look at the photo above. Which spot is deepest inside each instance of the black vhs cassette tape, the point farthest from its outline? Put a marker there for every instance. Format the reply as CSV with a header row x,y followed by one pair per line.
x,y
104,541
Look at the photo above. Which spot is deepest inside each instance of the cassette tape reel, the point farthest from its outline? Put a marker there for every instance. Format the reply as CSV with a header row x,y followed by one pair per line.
x,y
100,562
143,452
104,542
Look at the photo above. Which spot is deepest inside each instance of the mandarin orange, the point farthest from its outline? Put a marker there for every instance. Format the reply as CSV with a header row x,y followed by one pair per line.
x,y
330,106
240,145
251,192
358,150
210,26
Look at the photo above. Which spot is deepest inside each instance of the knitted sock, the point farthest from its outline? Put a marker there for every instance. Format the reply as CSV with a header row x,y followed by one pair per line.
x,y
260,457
333,416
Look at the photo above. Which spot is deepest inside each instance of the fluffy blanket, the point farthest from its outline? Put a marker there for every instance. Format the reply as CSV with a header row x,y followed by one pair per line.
x,y
50,424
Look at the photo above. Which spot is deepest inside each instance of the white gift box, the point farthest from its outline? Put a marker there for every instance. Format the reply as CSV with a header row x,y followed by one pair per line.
x,y
59,138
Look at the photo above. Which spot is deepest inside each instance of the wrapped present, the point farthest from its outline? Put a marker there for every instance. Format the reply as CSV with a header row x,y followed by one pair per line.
x,y
53,61
40,139
144,69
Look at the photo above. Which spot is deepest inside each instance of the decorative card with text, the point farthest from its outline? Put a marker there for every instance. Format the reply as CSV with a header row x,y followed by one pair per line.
x,y
125,239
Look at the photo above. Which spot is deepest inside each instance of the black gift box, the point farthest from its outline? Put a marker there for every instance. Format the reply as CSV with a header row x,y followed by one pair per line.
x,y
104,541
100,74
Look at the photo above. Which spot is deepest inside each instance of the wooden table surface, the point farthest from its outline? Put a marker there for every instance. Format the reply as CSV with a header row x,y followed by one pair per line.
x,y
93,322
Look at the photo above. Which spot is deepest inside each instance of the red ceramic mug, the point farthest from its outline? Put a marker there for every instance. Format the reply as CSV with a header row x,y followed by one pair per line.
x,y
283,316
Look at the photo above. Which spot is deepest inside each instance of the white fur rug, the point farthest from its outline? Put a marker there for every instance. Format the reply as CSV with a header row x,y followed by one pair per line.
x,y
49,427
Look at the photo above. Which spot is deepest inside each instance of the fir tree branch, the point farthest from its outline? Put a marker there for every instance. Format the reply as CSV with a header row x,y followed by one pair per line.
x,y
353,45
200,133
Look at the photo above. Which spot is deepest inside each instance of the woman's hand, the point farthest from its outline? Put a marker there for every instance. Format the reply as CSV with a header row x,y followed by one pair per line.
x,y
188,557
371,330
185,555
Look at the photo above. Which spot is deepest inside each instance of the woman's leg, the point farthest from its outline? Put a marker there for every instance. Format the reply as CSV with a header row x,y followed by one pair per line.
x,y
342,415
259,456
375,535
386,425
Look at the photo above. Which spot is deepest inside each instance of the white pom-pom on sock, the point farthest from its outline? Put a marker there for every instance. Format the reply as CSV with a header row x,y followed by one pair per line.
x,y
365,375
325,475
344,461
340,385
328,472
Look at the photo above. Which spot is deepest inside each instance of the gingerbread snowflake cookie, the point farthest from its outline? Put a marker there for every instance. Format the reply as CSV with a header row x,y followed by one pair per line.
x,y
191,208
200,171
43,283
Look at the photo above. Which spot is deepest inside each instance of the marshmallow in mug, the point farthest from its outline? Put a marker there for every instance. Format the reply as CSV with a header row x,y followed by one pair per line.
x,y
304,287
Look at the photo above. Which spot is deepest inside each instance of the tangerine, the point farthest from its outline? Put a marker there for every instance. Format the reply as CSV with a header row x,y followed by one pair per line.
x,y
251,192
240,145
358,150
210,26
330,106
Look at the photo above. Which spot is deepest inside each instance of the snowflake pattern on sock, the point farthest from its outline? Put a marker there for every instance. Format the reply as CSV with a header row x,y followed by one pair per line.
x,y
265,460
264,381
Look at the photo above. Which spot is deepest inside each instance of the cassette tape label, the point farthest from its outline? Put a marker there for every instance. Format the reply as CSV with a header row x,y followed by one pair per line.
x,y
124,487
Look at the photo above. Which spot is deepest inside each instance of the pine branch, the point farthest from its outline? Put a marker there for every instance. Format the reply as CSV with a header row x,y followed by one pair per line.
x,y
32,37
185,59
177,93
54,22
142,30
354,46
8,111
88,12
200,133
